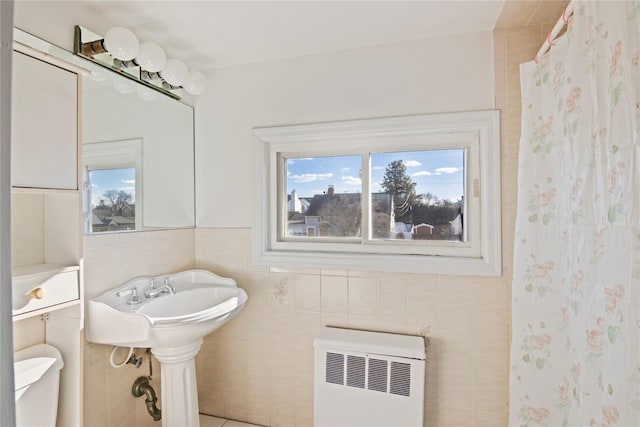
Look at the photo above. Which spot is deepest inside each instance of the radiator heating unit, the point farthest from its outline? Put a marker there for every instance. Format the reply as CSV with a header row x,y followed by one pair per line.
x,y
368,379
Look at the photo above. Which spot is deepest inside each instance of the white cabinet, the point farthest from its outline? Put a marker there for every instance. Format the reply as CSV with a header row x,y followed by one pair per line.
x,y
44,149
44,286
46,214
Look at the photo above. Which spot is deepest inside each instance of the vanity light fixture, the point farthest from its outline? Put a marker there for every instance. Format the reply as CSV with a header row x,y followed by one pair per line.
x,y
146,63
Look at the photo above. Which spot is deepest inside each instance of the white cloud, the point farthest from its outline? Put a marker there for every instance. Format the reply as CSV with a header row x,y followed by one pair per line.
x,y
411,163
448,170
351,180
128,181
127,188
422,173
346,169
293,161
377,168
310,177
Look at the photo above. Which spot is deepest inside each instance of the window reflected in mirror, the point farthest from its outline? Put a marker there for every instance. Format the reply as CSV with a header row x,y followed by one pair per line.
x,y
113,199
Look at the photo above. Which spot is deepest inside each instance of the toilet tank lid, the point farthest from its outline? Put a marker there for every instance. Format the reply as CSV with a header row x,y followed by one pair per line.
x,y
32,363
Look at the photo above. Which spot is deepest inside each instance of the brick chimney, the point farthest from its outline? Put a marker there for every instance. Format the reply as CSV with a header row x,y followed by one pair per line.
x,y
330,190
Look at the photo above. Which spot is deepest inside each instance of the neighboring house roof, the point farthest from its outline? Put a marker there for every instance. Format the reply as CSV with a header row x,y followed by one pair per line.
x,y
297,217
102,211
434,214
422,228
319,200
96,221
424,225
120,220
382,202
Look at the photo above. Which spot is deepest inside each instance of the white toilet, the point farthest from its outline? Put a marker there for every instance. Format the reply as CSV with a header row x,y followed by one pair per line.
x,y
37,382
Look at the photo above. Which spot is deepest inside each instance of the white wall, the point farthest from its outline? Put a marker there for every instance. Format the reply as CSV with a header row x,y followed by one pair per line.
x,y
54,20
425,76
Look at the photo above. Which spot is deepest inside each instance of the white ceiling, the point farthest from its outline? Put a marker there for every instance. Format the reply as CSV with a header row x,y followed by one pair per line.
x,y
209,34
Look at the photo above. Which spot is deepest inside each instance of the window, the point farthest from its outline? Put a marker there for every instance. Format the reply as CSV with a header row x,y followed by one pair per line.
x,y
418,194
113,199
112,179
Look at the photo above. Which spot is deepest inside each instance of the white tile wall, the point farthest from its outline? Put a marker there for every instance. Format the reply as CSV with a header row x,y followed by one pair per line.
x,y
259,367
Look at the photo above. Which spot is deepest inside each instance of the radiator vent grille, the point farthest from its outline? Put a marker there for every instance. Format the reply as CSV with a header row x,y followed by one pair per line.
x,y
335,368
369,373
378,375
400,382
355,371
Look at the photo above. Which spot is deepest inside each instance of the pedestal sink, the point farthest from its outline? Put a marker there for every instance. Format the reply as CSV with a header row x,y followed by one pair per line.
x,y
170,314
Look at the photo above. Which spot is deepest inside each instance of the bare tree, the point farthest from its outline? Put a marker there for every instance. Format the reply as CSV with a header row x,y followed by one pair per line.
x,y
118,200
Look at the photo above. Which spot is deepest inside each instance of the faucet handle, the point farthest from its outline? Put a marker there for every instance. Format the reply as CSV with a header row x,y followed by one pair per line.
x,y
166,280
135,299
153,283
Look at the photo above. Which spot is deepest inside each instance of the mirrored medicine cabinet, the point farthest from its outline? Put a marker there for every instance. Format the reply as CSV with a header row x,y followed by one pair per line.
x,y
137,150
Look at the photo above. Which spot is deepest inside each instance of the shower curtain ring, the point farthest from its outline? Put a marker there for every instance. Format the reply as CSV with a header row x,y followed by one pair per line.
x,y
564,16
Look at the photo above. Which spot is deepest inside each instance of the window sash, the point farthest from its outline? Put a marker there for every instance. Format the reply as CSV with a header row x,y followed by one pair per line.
x,y
469,142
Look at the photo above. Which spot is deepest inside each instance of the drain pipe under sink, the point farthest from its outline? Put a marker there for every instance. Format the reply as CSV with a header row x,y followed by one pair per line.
x,y
142,387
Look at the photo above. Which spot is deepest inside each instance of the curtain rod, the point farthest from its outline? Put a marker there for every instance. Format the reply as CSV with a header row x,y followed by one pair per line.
x,y
564,20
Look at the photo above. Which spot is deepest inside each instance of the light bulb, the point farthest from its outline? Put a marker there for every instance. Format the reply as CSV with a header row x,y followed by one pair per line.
x,y
123,86
121,43
151,57
99,75
174,72
195,83
145,94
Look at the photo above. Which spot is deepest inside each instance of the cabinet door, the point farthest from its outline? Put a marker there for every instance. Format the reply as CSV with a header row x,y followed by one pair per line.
x,y
44,125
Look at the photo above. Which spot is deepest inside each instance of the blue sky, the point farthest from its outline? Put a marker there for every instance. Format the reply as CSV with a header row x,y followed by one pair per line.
x,y
112,179
440,172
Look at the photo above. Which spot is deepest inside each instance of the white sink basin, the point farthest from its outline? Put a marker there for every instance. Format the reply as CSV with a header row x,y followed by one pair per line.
x,y
202,302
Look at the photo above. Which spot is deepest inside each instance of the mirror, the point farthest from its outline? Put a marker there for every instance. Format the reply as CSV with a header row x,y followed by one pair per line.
x,y
138,151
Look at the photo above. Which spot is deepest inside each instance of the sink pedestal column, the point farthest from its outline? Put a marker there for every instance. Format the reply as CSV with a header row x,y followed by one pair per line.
x,y
179,390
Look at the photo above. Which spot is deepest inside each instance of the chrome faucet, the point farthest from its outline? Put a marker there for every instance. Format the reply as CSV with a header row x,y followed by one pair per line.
x,y
166,288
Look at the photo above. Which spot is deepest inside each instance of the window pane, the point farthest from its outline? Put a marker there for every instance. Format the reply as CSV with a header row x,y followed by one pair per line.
x,y
113,201
323,196
418,195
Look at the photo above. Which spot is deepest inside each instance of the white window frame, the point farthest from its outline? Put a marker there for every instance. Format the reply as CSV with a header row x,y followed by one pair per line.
x,y
477,132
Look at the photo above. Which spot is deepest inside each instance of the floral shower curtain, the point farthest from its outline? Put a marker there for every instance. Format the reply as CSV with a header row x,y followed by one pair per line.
x,y
575,357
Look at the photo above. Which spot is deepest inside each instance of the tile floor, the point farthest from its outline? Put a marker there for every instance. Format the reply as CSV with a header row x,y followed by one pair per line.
x,y
209,421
